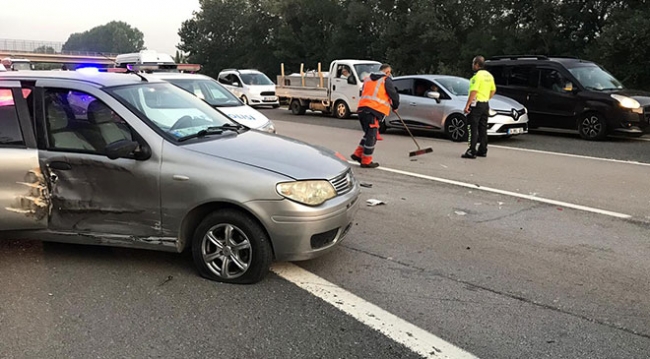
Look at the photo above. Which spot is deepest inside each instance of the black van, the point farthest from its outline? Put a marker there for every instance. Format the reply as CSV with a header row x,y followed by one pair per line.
x,y
570,93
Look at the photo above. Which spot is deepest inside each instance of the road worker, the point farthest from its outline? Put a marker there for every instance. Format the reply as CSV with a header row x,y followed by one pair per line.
x,y
481,90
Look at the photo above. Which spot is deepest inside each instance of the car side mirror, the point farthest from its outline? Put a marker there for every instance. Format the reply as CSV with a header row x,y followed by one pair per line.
x,y
121,148
236,84
434,95
352,80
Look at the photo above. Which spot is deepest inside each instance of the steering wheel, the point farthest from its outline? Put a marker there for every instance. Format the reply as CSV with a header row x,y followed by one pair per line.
x,y
183,122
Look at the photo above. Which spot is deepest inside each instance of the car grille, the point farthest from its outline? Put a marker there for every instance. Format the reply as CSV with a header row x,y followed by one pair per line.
x,y
343,183
267,93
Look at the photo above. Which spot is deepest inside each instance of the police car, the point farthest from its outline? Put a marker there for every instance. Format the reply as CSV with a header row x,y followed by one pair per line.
x,y
209,90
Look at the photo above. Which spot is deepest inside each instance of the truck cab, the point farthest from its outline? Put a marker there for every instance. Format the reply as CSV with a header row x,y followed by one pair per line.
x,y
335,92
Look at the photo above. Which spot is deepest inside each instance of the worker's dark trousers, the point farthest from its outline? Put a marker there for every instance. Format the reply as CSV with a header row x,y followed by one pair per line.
x,y
370,126
477,122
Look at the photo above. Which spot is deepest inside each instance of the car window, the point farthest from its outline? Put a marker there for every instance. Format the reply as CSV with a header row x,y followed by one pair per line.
x,y
79,122
225,79
525,76
457,86
255,79
10,133
555,81
232,79
498,74
404,86
172,110
595,78
208,90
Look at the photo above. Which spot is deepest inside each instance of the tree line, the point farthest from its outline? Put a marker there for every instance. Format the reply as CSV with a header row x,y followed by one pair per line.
x,y
417,36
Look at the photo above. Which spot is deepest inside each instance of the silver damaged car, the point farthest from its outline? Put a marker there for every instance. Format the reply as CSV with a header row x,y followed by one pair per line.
x,y
437,102
133,161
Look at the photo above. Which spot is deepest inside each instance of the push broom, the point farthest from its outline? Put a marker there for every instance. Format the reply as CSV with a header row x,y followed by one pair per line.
x,y
419,151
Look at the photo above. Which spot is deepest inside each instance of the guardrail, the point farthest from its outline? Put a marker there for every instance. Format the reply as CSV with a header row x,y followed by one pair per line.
x,y
45,47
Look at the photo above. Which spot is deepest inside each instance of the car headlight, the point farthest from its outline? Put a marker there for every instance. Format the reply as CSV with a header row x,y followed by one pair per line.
x,y
311,193
492,113
626,102
268,127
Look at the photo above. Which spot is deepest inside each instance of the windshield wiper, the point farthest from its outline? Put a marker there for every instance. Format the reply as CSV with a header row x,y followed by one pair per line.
x,y
212,130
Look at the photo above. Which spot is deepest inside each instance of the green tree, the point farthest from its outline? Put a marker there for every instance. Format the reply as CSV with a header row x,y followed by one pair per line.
x,y
113,37
45,50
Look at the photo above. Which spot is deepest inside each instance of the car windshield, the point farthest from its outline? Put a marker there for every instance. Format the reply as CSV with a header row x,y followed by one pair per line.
x,y
171,109
255,78
595,78
22,66
456,86
364,70
208,90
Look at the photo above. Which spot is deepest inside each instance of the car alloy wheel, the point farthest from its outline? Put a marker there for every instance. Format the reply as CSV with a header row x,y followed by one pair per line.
x,y
231,246
226,251
456,128
244,99
592,127
341,110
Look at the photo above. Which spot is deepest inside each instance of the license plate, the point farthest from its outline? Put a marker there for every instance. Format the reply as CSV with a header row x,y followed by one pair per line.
x,y
270,99
515,131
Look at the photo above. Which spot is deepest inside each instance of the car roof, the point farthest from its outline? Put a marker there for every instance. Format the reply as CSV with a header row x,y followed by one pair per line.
x,y
430,77
101,79
536,59
357,62
179,75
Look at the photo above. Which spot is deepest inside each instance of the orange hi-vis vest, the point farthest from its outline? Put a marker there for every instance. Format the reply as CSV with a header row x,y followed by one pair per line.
x,y
374,95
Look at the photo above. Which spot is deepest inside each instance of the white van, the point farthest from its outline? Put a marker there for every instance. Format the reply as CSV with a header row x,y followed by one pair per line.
x,y
253,87
146,57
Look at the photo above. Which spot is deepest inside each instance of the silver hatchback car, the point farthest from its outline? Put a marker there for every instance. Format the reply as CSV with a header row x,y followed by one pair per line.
x,y
133,161
436,102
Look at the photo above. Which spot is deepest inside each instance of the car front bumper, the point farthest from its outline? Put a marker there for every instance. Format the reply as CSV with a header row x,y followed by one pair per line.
x,y
299,232
264,100
502,125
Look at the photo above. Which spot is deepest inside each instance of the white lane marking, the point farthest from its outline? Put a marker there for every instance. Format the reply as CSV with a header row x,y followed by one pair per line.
x,y
416,339
572,155
506,193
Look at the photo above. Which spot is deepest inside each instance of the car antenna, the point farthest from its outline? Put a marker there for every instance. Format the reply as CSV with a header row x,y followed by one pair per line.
x,y
136,71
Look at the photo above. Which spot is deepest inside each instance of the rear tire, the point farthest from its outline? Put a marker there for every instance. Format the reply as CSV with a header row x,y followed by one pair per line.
x,y
592,127
297,108
456,128
229,246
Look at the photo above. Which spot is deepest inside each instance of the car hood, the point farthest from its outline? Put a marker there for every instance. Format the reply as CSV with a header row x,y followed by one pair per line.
x,y
503,103
245,115
279,154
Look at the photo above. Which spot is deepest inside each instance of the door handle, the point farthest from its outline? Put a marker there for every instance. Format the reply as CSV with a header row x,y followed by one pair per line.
x,y
413,104
59,165
334,88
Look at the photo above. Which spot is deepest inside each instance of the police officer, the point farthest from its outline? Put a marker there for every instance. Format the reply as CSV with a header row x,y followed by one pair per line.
x,y
378,97
481,90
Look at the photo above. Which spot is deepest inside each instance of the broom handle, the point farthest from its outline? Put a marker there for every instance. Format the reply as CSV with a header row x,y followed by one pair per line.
x,y
407,129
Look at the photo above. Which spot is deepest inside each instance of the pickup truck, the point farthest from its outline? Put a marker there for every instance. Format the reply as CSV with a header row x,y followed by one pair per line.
x,y
334,92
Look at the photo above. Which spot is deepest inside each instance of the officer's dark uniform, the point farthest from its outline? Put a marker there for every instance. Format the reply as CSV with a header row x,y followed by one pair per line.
x,y
483,83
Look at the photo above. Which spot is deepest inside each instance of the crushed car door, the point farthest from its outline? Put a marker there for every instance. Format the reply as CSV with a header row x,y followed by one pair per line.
x,y
92,194
24,197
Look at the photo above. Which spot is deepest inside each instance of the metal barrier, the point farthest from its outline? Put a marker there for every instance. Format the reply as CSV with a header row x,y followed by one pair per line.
x,y
45,47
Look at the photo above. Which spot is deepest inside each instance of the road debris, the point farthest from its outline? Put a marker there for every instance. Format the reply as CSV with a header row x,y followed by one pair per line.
x,y
374,202
461,213
366,184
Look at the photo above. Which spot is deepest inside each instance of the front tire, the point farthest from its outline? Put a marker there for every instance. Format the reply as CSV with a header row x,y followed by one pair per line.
x,y
341,110
592,127
456,128
229,246
244,99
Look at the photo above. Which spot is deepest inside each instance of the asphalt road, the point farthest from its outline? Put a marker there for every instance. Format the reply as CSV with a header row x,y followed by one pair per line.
x,y
497,275
626,149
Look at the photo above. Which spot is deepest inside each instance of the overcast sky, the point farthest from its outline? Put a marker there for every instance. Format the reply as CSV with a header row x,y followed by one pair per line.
x,y
55,20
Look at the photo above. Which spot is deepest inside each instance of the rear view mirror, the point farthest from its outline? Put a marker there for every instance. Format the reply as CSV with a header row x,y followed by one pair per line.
x,y
121,148
236,84
568,87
